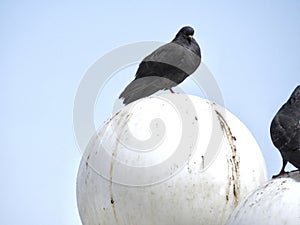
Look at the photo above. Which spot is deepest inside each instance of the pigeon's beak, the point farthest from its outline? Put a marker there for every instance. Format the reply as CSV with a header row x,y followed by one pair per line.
x,y
190,37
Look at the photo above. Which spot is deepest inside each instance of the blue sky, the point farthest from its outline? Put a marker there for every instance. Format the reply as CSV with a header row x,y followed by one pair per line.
x,y
46,47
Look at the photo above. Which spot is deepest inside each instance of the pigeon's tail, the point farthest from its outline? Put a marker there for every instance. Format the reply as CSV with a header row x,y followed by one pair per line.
x,y
143,87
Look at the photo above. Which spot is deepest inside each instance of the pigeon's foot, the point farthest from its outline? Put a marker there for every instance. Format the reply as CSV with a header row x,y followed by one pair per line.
x,y
282,172
171,90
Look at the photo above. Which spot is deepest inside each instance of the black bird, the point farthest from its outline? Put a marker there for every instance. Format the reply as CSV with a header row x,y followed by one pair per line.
x,y
285,131
166,67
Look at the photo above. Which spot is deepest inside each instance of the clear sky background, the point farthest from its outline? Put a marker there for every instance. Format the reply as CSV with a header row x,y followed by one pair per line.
x,y
252,48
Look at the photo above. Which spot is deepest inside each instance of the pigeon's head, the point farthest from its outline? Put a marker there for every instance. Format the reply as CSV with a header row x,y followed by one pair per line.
x,y
185,33
295,97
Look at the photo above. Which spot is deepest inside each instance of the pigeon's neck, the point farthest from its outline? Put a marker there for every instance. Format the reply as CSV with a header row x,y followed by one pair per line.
x,y
189,44
181,41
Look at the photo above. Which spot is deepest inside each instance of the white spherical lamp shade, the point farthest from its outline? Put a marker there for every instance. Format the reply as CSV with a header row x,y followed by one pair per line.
x,y
170,159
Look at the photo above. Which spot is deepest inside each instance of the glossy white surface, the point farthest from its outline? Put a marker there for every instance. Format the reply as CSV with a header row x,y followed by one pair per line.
x,y
217,164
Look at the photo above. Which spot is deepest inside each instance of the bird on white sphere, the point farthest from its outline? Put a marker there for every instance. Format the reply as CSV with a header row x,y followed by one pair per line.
x,y
285,131
166,67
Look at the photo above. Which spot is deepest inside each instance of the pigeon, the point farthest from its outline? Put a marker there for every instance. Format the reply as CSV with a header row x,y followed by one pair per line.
x,y
285,131
166,67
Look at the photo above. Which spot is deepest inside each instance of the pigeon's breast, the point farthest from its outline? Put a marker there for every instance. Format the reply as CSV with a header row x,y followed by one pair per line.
x,y
285,128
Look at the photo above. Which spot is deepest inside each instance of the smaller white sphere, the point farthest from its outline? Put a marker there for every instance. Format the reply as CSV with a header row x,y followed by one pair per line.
x,y
277,202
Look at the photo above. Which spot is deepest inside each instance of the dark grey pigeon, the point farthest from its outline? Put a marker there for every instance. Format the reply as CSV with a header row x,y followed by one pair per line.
x,y
285,131
166,67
